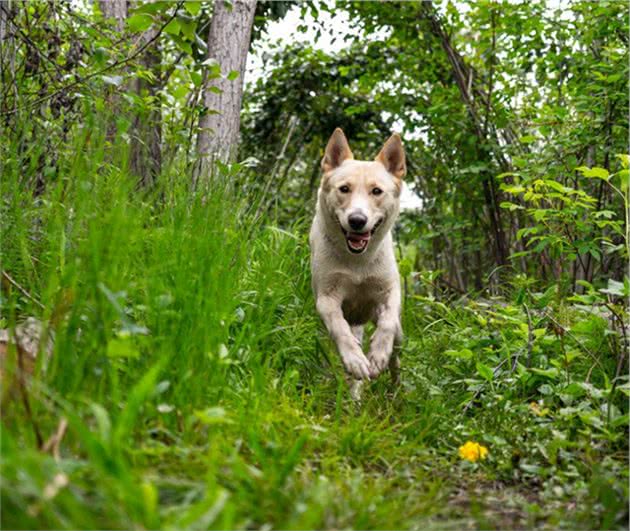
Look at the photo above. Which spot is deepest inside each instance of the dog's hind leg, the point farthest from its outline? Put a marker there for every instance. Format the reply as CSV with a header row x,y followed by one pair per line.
x,y
356,386
394,360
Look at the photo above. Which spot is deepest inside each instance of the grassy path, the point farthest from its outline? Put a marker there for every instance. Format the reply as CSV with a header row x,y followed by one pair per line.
x,y
201,392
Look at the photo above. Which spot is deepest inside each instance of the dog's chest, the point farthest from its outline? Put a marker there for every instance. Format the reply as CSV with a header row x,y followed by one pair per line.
x,y
362,299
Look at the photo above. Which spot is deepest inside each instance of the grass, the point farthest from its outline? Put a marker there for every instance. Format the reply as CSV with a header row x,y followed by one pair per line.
x,y
201,391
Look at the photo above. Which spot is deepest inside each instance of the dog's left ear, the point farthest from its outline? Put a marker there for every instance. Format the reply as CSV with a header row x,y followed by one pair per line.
x,y
392,156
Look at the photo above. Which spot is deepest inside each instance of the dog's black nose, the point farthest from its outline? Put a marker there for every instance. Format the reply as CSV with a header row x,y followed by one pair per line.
x,y
357,221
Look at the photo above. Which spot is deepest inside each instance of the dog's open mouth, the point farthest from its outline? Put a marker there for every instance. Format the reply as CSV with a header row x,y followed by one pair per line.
x,y
358,241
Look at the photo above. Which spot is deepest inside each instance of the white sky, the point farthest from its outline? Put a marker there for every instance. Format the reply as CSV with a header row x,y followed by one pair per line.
x,y
285,31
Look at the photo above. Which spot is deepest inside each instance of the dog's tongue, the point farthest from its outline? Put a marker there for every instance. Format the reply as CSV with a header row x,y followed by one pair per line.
x,y
359,237
358,241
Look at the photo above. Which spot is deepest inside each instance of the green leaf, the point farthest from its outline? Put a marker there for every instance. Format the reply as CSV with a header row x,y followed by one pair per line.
x,y
188,26
615,288
528,139
546,297
599,173
624,178
182,44
513,189
214,68
152,7
506,174
192,7
624,388
173,27
196,78
213,415
484,371
557,186
622,420
464,354
511,206
233,75
552,373
139,22
625,159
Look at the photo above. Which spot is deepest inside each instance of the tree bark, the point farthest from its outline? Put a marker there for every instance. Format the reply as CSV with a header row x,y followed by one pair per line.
x,y
145,152
228,43
7,55
145,157
4,9
116,9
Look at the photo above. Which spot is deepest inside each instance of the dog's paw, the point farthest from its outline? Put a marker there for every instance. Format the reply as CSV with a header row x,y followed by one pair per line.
x,y
357,365
379,360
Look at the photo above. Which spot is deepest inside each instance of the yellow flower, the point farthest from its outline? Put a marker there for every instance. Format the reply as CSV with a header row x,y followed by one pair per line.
x,y
537,411
473,451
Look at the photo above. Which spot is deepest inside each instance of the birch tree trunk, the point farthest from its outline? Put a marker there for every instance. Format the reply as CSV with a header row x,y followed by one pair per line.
x,y
228,42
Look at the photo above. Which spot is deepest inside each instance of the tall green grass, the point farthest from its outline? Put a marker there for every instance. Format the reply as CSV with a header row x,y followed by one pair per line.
x,y
162,297
201,391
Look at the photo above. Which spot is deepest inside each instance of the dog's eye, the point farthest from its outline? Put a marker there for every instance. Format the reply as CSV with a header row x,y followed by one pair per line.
x,y
344,189
377,191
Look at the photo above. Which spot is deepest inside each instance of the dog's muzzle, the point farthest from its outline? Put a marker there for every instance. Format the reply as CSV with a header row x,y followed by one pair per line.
x,y
358,242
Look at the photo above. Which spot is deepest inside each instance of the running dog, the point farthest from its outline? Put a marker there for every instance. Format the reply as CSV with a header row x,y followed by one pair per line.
x,y
354,273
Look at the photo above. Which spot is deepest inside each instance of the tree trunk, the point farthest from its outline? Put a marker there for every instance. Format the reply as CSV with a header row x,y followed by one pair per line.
x,y
145,157
4,16
145,152
228,42
116,9
7,56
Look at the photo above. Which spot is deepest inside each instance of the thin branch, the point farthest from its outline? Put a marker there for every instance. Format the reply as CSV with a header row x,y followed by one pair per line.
x,y
530,337
53,443
579,343
116,64
21,289
491,76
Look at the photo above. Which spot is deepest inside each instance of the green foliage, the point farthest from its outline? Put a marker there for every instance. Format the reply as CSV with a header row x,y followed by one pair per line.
x,y
567,223
197,384
535,111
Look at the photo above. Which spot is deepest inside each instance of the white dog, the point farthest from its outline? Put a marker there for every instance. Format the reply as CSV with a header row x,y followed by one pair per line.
x,y
355,276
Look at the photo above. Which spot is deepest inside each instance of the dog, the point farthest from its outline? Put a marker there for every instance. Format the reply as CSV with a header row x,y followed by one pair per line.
x,y
355,277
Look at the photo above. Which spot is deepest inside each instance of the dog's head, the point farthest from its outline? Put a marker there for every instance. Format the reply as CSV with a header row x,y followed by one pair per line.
x,y
362,197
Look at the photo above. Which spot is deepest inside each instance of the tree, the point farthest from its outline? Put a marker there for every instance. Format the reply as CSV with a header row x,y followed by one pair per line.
x,y
145,153
228,43
116,10
145,157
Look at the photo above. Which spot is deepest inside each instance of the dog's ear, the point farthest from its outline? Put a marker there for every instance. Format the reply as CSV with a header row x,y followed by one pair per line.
x,y
337,151
392,156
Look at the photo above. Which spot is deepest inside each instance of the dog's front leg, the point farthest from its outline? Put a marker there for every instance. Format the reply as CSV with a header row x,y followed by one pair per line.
x,y
388,331
348,345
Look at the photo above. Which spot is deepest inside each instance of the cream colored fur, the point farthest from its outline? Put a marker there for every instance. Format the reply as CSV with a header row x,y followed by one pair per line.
x,y
353,288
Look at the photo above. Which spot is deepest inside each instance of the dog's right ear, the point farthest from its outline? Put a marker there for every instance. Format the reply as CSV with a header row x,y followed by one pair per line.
x,y
337,151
